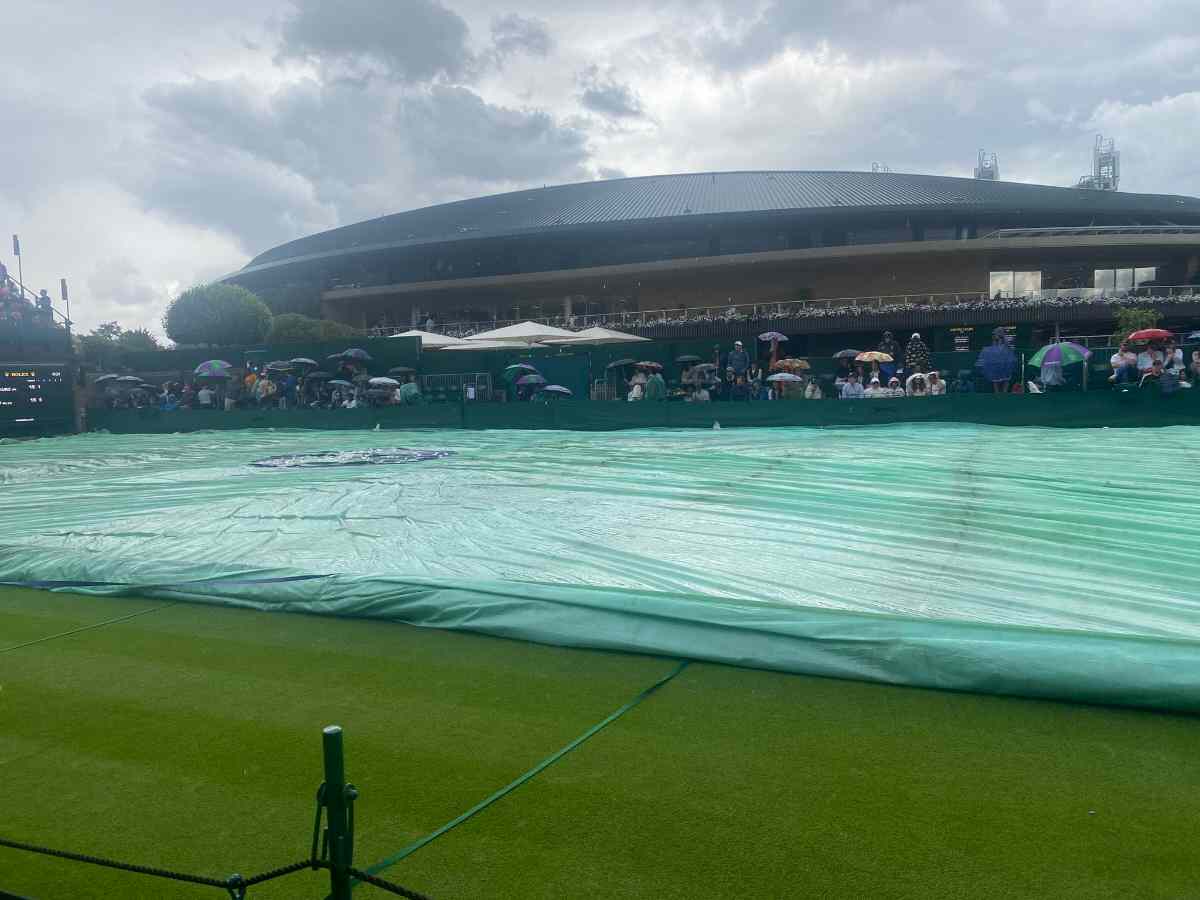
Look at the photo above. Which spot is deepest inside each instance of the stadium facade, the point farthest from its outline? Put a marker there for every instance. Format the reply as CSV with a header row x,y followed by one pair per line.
x,y
678,242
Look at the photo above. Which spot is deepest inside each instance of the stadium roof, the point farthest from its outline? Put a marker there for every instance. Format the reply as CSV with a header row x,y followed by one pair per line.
x,y
662,197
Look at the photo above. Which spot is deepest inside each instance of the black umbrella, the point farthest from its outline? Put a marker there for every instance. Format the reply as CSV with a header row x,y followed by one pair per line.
x,y
846,354
357,354
618,363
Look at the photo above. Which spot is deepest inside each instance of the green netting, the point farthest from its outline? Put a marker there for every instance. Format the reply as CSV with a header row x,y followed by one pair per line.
x,y
1043,562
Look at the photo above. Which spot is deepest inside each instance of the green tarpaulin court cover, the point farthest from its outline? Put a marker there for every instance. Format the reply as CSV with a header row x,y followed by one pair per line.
x,y
1042,562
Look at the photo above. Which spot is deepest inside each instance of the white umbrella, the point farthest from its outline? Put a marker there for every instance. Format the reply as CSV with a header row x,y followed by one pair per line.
x,y
429,340
785,376
597,335
384,382
524,333
492,345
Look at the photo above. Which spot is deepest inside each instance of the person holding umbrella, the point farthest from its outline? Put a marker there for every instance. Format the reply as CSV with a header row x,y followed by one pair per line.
x,y
889,346
997,362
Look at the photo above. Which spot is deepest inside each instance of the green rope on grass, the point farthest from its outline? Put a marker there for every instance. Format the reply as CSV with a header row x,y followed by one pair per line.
x,y
520,780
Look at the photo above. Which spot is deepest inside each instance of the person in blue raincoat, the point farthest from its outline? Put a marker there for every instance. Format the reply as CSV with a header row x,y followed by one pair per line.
x,y
998,362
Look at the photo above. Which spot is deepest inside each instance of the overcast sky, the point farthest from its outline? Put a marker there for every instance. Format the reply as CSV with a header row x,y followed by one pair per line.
x,y
150,145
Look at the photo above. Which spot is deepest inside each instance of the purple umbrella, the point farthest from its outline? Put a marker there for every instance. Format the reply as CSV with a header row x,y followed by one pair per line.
x,y
213,368
531,379
1063,353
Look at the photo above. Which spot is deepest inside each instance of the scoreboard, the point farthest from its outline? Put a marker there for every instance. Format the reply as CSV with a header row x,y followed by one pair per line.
x,y
35,398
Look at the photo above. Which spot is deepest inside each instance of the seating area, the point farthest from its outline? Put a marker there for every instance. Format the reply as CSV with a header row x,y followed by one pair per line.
x,y
867,308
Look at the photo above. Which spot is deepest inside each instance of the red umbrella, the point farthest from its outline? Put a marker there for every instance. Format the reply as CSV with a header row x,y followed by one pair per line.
x,y
1151,334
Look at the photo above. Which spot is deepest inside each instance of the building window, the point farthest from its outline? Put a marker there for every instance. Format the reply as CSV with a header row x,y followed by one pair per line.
x,y
1144,275
1014,284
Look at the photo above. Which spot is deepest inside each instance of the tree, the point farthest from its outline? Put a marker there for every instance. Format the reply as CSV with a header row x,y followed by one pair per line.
x,y
109,331
1131,319
138,339
217,314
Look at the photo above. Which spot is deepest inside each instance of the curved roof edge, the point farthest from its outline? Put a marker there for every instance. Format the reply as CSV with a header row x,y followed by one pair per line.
x,y
650,198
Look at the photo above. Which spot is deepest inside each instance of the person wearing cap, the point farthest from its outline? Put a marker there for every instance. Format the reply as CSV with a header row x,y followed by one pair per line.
x,y
739,359
812,390
875,390
916,355
937,387
893,387
852,390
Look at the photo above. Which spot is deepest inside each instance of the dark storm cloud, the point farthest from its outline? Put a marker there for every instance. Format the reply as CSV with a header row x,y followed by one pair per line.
x,y
413,40
454,132
270,167
605,95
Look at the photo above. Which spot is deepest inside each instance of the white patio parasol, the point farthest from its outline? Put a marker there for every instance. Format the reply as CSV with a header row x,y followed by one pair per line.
x,y
523,333
429,340
597,335
493,345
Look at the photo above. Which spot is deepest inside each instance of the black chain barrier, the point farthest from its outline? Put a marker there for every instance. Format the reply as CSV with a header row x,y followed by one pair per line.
x,y
385,885
236,885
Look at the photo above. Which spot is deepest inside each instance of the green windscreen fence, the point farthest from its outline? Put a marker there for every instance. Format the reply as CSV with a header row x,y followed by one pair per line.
x,y
1041,562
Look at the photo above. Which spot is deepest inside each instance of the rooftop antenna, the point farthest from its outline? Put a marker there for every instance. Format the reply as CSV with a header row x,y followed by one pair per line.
x,y
1106,167
988,168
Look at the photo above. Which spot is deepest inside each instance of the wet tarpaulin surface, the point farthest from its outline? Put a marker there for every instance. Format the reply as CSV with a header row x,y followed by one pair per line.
x,y
1042,562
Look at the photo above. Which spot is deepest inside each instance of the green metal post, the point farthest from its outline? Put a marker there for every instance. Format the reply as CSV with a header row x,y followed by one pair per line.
x,y
340,850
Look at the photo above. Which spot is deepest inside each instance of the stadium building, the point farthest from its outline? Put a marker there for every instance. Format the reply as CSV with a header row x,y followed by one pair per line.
x,y
660,249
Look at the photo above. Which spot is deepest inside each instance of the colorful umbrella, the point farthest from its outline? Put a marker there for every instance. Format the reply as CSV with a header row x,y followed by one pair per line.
x,y
1150,334
212,368
772,336
618,363
873,356
558,389
531,379
1063,353
790,365
847,354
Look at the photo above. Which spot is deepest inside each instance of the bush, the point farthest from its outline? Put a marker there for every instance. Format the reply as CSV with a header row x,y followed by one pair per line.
x,y
1133,319
293,328
217,314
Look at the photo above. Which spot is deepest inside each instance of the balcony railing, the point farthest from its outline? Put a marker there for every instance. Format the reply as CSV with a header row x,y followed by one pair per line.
x,y
833,306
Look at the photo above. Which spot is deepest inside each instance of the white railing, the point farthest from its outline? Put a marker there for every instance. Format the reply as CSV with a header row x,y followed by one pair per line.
x,y
782,309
